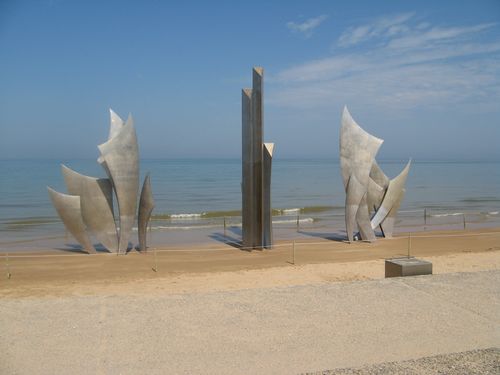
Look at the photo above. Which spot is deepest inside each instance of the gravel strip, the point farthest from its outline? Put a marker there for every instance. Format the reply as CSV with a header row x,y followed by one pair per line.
x,y
480,362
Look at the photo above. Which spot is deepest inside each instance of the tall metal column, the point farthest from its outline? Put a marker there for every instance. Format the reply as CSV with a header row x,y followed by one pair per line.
x,y
256,169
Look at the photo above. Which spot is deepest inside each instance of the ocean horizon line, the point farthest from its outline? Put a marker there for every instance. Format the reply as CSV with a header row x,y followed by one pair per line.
x,y
277,158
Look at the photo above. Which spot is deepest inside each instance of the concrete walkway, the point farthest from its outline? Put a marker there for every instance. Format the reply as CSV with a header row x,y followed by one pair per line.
x,y
277,330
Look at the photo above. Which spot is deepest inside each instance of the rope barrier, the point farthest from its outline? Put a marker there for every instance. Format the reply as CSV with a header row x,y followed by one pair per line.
x,y
235,244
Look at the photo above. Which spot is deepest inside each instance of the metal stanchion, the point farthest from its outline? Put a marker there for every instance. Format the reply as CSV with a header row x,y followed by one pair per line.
x,y
155,268
7,266
409,243
150,235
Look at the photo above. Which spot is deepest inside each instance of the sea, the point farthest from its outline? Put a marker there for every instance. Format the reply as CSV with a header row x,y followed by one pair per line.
x,y
198,201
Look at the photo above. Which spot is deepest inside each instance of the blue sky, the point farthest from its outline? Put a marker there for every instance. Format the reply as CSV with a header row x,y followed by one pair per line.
x,y
423,75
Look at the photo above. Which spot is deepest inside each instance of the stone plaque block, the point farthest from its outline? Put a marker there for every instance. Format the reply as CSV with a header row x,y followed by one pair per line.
x,y
397,267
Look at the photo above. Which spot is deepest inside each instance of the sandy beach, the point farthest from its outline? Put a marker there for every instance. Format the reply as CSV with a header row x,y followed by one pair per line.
x,y
218,266
218,309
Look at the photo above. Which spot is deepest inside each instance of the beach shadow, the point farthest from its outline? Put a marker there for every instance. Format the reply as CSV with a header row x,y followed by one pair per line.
x,y
236,230
131,247
337,237
78,249
75,249
72,248
227,240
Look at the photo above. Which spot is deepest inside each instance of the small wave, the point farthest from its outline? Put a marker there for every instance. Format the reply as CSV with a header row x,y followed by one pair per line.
x,y
493,213
186,216
194,216
16,224
303,210
237,213
304,220
449,214
480,200
217,214
287,211
317,209
186,227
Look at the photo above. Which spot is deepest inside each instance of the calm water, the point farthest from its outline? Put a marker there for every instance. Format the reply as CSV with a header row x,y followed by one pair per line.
x,y
198,193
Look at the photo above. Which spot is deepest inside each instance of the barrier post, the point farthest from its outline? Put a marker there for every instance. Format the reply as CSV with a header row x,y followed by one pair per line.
x,y
155,268
7,266
293,253
409,244
150,235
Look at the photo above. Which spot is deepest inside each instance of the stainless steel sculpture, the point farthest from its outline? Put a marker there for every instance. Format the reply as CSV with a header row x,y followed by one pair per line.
x,y
69,210
89,207
146,206
386,212
256,169
367,188
96,197
120,156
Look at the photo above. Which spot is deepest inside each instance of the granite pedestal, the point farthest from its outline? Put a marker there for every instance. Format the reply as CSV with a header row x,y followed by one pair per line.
x,y
397,267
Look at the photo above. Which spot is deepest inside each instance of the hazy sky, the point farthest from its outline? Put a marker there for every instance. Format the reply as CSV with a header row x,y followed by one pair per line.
x,y
423,75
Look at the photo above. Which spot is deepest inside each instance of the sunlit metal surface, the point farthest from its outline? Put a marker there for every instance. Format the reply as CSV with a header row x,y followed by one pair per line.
x,y
69,210
256,169
267,208
120,155
146,206
90,203
96,197
392,200
367,187
357,154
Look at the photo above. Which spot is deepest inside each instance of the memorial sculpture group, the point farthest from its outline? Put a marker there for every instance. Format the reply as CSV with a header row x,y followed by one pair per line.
x,y
372,199
89,205
368,189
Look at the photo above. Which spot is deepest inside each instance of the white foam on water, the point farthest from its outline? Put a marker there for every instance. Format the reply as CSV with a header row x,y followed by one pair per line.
x,y
304,220
186,216
450,214
187,227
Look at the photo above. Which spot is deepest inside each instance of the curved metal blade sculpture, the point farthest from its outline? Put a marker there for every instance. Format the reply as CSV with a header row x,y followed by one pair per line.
x,y
89,207
69,209
96,199
120,155
367,187
146,206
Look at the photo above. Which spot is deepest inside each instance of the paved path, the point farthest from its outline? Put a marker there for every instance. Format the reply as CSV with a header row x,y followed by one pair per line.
x,y
276,330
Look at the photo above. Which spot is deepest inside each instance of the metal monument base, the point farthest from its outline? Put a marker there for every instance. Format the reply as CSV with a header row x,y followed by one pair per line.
x,y
397,267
